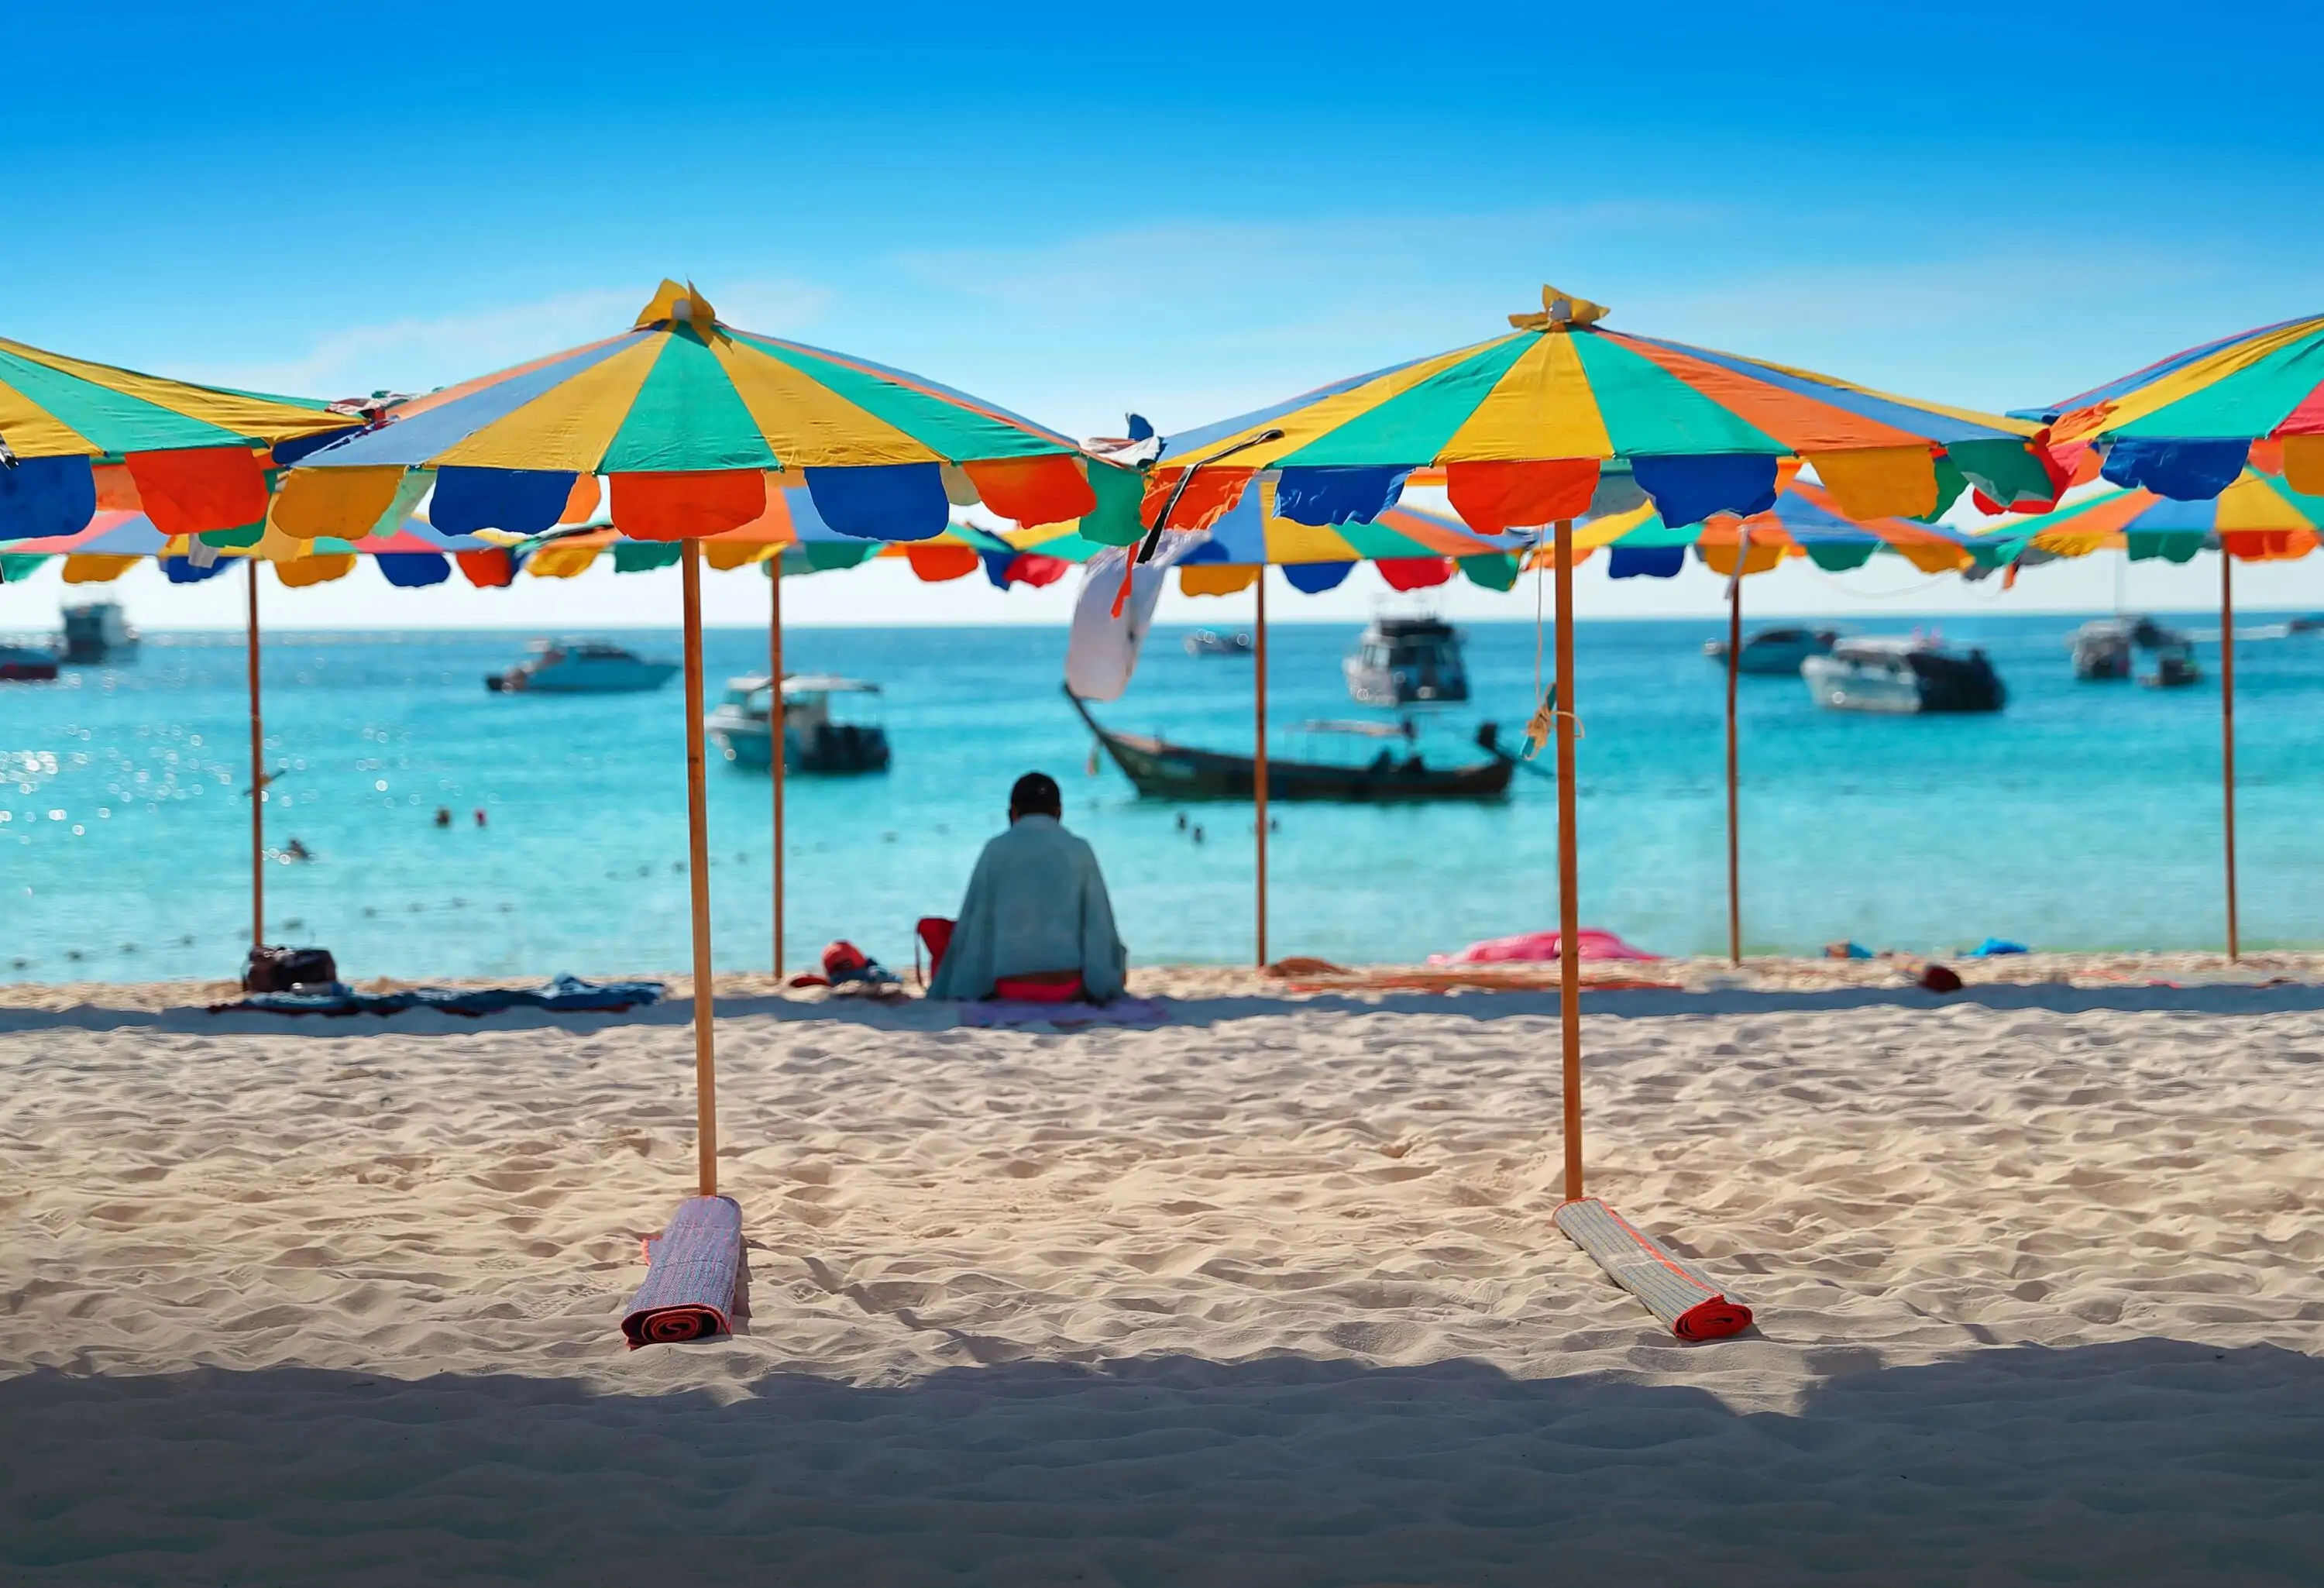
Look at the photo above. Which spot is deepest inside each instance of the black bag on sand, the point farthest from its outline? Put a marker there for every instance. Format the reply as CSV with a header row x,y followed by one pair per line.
x,y
272,968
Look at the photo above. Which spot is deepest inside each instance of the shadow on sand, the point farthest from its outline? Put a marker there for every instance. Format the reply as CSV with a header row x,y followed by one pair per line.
x,y
916,1014
2149,1460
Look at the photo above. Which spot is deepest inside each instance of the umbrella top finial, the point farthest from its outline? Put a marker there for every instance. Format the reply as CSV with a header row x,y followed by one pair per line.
x,y
1560,311
676,305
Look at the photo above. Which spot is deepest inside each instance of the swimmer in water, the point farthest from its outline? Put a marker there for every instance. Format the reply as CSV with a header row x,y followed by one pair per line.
x,y
294,850
443,816
480,816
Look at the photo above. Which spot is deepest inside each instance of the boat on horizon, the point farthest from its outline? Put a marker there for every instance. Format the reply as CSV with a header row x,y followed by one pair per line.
x,y
1219,643
95,631
26,664
2104,650
1903,675
829,725
581,667
1160,769
1776,652
1406,662
2174,664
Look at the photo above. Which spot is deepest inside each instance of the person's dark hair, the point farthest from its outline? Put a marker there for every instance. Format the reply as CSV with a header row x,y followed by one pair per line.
x,y
1035,794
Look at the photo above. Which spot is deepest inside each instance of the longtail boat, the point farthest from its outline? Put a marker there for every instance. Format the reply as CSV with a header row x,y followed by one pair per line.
x,y
1163,770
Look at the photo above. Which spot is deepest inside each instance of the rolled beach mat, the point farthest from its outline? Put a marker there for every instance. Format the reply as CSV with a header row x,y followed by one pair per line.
x,y
1676,1292
693,1268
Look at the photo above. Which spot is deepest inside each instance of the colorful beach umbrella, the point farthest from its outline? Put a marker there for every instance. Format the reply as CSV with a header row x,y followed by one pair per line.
x,y
1522,424
789,538
685,416
1413,551
2259,518
414,556
1805,522
1524,427
2174,501
77,435
2186,427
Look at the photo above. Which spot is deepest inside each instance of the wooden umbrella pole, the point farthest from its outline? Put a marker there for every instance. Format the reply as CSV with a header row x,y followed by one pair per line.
x,y
1258,759
257,777
1569,902
2227,733
698,824
1734,807
778,734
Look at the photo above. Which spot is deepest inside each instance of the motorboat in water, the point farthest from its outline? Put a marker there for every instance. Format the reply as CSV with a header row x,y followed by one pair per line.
x,y
1776,652
580,667
1219,643
1889,673
830,724
1406,662
2174,664
26,664
1394,773
95,631
2104,650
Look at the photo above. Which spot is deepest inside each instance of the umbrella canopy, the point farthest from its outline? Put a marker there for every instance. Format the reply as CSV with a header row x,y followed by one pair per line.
x,y
1413,549
114,543
2186,427
688,415
1805,522
2257,519
76,435
1522,423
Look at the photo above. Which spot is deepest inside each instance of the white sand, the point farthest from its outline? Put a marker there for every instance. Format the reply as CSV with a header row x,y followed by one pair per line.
x,y
1267,1296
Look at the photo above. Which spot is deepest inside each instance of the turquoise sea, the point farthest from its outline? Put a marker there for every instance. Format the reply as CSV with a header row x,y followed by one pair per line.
x,y
2083,816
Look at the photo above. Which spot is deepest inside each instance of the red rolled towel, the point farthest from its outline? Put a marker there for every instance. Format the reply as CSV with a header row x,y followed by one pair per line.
x,y
1676,1292
694,1267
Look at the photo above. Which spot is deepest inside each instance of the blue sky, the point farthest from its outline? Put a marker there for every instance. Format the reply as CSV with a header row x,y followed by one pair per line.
x,y
1075,211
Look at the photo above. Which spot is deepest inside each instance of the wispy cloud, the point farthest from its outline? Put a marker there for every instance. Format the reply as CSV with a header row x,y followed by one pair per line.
x,y
417,353
1190,318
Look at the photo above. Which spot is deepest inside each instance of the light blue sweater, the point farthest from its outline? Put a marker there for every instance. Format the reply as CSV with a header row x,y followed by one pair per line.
x,y
1036,903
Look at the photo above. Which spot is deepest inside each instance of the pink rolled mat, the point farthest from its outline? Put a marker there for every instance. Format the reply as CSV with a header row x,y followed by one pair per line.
x,y
694,1267
1676,1292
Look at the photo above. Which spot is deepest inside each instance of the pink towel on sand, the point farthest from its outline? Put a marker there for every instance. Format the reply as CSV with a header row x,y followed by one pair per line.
x,y
1538,946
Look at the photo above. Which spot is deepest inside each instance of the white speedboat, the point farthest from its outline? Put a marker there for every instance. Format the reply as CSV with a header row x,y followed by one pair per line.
x,y
1902,675
1406,662
2102,650
1777,652
97,632
580,667
830,724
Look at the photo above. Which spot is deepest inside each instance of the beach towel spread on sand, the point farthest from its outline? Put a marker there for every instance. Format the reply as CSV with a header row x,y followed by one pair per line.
x,y
1539,946
1676,1292
565,992
1036,903
694,1267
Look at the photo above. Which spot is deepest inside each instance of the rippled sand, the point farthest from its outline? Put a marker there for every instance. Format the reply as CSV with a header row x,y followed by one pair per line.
x,y
1267,1296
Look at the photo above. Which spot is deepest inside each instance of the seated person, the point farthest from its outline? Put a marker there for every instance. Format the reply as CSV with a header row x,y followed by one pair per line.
x,y
1037,909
